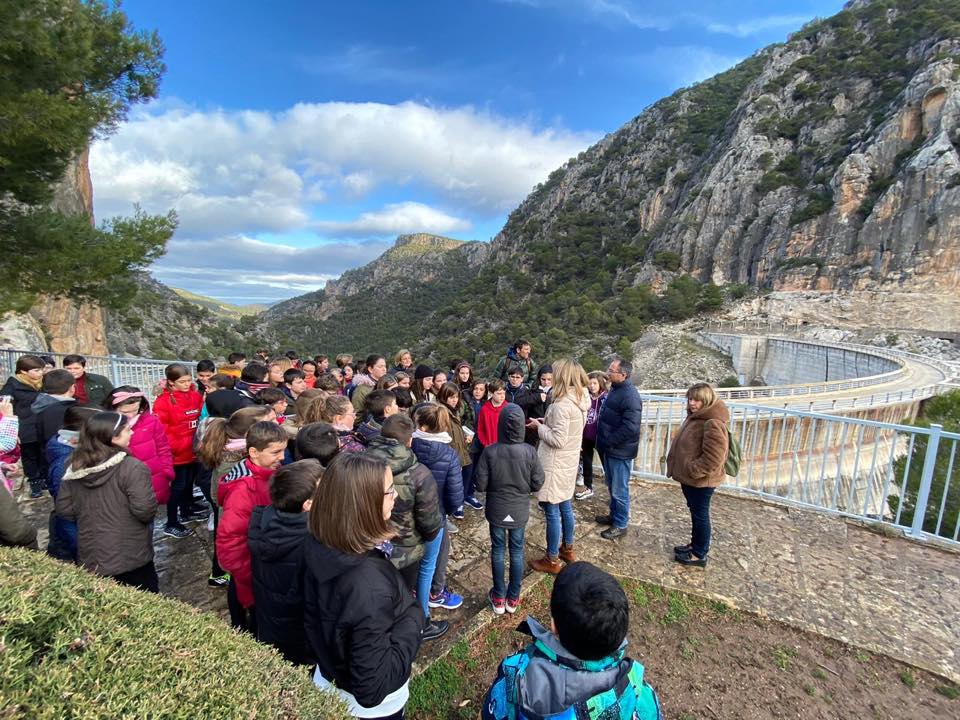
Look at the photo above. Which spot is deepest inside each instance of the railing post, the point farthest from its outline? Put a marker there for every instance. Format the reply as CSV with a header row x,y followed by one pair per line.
x,y
114,371
926,479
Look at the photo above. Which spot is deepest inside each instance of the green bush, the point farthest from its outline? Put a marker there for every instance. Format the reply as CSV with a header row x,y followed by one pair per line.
x,y
78,646
666,260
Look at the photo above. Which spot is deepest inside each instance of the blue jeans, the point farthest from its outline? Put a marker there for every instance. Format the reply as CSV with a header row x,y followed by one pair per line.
x,y
428,563
617,476
559,515
499,537
698,500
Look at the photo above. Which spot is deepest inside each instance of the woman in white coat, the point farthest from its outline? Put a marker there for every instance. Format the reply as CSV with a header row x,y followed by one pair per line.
x,y
561,435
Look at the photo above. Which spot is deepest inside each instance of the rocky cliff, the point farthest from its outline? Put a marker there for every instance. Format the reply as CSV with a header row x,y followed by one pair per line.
x,y
380,306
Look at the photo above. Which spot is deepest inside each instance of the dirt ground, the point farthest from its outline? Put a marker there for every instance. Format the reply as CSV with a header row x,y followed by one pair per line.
x,y
706,660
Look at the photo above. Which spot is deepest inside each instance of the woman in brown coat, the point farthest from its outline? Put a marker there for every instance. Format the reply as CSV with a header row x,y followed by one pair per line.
x,y
695,460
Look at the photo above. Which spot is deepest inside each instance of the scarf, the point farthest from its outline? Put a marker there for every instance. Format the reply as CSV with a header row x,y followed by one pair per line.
x,y
29,381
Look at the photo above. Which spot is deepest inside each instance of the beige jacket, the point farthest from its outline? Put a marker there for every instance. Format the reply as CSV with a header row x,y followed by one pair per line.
x,y
561,436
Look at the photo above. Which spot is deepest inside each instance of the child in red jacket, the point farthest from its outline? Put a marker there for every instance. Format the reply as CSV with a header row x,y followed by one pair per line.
x,y
178,410
244,487
148,444
487,421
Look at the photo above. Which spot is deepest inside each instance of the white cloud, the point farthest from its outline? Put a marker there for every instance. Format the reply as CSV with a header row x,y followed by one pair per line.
x,y
396,219
754,26
685,64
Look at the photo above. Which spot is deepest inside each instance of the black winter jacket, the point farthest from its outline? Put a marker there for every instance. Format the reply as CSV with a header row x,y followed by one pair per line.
x,y
23,397
508,471
276,553
444,463
225,403
618,428
361,621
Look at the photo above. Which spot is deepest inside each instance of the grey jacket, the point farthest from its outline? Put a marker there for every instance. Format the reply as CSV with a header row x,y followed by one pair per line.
x,y
113,504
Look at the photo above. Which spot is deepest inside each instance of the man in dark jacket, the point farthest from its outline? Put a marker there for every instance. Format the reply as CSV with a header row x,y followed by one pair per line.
x,y
508,471
276,538
52,403
518,356
618,439
91,389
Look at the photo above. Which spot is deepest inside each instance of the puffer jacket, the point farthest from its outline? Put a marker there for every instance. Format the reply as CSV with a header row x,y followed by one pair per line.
x,y
435,451
416,510
113,505
149,445
699,451
363,624
561,437
508,471
276,553
62,543
244,488
23,398
179,413
618,428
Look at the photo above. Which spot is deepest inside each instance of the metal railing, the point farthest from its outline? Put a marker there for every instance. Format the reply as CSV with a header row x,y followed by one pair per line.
x,y
897,475
143,373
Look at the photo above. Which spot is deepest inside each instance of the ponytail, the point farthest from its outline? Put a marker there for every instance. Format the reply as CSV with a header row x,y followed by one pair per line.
x,y
214,440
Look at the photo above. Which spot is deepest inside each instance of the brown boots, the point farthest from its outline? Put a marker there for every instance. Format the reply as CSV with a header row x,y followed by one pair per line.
x,y
547,564
552,565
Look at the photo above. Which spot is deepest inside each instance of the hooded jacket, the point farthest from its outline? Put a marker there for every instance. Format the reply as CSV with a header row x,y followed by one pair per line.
x,y
276,554
699,451
48,411
23,398
435,451
546,680
179,413
618,427
245,487
149,445
508,471
416,510
561,438
113,505
62,543
593,416
362,623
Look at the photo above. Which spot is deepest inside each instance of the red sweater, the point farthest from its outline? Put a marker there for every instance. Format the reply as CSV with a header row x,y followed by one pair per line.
x,y
242,489
178,412
487,423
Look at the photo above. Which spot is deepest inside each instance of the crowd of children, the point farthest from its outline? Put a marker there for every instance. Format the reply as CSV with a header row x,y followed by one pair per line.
x,y
333,494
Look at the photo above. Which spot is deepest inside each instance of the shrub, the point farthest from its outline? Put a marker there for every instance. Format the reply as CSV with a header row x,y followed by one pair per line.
x,y
666,260
731,381
735,291
75,645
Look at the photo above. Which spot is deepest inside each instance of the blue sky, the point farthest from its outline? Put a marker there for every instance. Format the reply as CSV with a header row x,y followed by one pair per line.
x,y
297,139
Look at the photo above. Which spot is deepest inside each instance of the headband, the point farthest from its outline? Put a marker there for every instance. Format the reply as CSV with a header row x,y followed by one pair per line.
x,y
121,397
119,420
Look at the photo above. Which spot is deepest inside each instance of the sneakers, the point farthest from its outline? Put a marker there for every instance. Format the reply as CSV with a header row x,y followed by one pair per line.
x,y
512,604
604,520
219,580
451,528
193,517
435,629
176,532
498,604
458,513
584,494
613,533
473,502
445,599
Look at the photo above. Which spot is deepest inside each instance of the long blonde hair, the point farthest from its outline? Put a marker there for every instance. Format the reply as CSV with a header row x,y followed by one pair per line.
x,y
569,378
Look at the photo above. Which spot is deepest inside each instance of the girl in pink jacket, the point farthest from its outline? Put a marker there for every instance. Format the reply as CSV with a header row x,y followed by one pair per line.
x,y
148,443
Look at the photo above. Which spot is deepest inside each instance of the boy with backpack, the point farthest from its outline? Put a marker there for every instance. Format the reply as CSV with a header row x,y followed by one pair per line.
x,y
275,538
244,487
578,668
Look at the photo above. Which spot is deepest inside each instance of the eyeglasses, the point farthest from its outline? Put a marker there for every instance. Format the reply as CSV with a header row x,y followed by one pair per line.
x,y
392,492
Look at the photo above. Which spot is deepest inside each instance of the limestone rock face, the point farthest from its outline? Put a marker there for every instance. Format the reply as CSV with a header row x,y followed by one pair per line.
x,y
813,180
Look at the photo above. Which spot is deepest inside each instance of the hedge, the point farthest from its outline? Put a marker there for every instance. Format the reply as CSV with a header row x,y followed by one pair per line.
x,y
73,645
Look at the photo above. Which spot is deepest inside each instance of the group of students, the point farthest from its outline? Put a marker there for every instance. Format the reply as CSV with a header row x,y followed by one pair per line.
x,y
333,495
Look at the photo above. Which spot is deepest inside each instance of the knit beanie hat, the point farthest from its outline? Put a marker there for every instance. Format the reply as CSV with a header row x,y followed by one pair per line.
x,y
421,372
